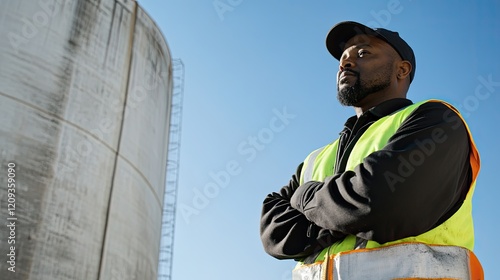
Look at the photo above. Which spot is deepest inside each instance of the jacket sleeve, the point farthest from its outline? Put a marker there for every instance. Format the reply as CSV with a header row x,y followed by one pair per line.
x,y
417,181
285,232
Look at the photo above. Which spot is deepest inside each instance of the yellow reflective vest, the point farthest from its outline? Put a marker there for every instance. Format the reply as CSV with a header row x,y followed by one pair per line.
x,y
456,231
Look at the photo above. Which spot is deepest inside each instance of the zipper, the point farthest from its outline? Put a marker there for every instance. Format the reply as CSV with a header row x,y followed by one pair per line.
x,y
360,243
351,141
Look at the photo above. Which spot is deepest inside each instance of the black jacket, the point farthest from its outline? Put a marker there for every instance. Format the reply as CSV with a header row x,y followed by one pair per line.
x,y
416,182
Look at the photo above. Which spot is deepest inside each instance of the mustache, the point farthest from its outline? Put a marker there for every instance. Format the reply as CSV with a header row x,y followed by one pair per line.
x,y
349,71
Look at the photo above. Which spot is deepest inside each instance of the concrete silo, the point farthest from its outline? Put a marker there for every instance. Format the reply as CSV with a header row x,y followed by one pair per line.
x,y
85,97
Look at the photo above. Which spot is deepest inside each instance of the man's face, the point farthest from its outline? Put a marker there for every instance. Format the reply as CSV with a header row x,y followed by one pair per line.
x,y
366,67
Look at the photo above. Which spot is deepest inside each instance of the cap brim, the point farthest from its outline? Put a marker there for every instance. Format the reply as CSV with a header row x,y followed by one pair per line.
x,y
342,32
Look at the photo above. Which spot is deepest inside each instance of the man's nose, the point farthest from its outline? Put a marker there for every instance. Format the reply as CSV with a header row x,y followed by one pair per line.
x,y
346,62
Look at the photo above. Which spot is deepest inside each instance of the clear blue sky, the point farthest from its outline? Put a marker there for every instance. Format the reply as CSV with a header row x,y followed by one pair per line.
x,y
249,62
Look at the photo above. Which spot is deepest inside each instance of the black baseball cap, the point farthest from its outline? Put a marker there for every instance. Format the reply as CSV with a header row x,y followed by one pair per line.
x,y
343,31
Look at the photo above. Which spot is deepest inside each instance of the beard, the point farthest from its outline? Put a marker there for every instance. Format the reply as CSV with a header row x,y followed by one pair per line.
x,y
352,95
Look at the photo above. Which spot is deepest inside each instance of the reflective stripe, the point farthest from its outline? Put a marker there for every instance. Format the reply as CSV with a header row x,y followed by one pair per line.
x,y
308,172
397,262
403,261
308,272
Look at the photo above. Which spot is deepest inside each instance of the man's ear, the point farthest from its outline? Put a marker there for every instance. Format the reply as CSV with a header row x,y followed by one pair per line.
x,y
404,69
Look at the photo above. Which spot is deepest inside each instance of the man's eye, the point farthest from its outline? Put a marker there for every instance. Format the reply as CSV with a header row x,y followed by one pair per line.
x,y
361,53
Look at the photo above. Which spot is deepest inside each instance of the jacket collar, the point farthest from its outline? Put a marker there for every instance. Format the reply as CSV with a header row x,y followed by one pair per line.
x,y
381,110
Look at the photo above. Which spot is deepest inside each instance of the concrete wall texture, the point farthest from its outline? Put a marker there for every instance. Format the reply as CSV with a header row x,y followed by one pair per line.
x,y
85,96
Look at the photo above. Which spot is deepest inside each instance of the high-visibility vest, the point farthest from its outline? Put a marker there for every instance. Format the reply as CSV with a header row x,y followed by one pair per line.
x,y
456,231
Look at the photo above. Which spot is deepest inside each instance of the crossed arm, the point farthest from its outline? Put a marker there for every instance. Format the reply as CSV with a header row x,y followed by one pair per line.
x,y
286,233
379,200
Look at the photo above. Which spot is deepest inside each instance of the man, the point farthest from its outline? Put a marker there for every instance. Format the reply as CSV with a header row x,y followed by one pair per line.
x,y
391,198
